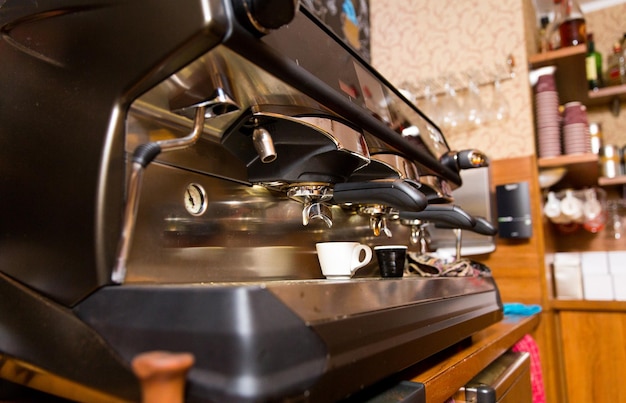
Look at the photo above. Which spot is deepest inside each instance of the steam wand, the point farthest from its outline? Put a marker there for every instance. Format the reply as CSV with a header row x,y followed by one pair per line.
x,y
143,155
458,235
480,225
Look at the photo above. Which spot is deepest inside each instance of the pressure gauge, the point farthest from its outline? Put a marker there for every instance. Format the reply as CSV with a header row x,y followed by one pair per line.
x,y
195,199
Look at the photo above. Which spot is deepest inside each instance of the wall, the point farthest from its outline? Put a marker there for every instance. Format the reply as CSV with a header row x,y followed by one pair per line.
x,y
417,39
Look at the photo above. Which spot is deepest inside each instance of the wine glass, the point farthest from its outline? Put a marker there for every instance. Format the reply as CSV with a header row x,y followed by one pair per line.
x,y
429,104
499,105
473,106
451,113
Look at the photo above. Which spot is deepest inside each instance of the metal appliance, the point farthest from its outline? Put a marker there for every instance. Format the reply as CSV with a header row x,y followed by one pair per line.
x,y
477,198
166,170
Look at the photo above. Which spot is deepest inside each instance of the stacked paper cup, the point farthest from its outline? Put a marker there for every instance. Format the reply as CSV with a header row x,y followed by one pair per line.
x,y
548,118
576,136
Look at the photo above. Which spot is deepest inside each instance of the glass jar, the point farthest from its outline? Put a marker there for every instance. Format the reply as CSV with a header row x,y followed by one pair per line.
x,y
616,66
595,131
616,212
610,161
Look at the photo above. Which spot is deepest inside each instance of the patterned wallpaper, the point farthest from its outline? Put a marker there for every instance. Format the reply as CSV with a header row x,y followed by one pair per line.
x,y
417,39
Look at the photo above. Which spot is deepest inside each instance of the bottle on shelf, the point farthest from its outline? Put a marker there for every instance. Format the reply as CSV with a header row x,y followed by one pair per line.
x,y
593,64
616,66
544,40
573,26
552,30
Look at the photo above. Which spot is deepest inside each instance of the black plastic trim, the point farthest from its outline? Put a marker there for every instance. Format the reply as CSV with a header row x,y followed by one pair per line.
x,y
250,346
48,336
443,216
247,345
393,193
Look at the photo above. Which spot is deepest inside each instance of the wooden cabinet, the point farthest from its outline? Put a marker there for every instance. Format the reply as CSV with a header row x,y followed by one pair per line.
x,y
571,78
587,337
583,170
594,355
571,82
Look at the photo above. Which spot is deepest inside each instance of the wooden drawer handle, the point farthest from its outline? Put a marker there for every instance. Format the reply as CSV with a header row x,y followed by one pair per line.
x,y
162,375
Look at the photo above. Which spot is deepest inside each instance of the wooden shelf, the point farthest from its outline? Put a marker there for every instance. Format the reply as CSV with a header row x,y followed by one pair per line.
x,y
586,305
567,160
571,77
605,95
570,74
582,169
618,180
558,57
608,91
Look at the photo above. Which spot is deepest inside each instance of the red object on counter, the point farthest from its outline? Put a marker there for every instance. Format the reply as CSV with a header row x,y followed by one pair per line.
x,y
529,345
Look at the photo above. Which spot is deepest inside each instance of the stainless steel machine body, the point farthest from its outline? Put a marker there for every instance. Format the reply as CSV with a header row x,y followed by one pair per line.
x,y
167,168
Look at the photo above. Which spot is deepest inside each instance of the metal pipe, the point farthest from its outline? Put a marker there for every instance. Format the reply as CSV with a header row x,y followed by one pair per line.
x,y
458,233
190,139
142,156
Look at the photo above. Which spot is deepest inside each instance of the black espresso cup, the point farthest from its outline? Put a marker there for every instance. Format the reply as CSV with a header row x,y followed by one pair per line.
x,y
391,260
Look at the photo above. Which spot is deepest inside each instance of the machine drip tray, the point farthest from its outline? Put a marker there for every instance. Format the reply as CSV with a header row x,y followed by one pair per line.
x,y
321,339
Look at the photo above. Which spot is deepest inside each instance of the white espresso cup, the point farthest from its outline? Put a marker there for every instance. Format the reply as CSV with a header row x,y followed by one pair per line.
x,y
342,259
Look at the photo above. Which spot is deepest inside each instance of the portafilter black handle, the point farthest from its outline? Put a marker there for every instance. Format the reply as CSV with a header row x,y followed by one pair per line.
x,y
484,227
395,193
442,215
481,226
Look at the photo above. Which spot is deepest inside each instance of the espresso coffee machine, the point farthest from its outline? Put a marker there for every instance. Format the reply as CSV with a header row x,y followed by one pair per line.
x,y
166,170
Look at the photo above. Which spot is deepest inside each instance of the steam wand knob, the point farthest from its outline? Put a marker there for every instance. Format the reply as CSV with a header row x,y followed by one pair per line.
x,y
263,16
465,159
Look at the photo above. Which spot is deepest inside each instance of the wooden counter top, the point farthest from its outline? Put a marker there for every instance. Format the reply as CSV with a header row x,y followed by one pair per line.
x,y
446,372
